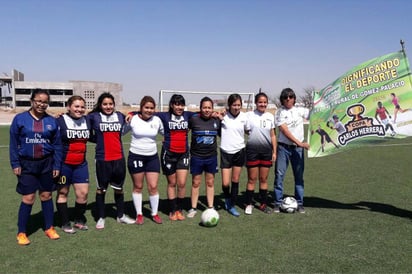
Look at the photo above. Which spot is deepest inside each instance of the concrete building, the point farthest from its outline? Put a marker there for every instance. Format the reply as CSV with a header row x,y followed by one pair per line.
x,y
16,92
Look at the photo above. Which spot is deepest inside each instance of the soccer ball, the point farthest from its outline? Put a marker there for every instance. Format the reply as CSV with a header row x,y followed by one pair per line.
x,y
289,205
210,217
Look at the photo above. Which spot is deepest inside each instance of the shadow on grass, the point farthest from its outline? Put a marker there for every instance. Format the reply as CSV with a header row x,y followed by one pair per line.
x,y
317,202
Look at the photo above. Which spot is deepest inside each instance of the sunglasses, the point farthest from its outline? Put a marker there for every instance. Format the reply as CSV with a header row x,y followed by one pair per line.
x,y
288,97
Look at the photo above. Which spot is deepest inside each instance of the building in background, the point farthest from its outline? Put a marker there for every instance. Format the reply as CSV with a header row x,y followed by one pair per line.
x,y
15,92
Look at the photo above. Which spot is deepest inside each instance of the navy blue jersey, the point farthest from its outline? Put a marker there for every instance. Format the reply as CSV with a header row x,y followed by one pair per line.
x,y
74,134
34,139
204,136
107,133
175,131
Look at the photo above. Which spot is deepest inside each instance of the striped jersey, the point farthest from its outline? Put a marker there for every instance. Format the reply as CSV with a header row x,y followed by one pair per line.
x,y
175,131
74,133
34,139
107,133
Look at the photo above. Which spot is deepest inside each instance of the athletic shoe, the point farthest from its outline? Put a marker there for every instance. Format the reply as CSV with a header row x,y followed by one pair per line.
x,y
192,213
276,209
100,223
125,220
156,219
139,219
22,239
173,216
80,226
180,215
67,228
228,203
301,209
248,209
265,208
233,211
52,234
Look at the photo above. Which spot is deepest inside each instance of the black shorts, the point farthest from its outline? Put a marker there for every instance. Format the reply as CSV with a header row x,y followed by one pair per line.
x,y
110,172
140,163
258,158
36,175
172,161
228,160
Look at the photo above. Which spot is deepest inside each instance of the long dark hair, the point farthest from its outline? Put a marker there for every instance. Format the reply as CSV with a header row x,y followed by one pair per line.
x,y
98,106
176,99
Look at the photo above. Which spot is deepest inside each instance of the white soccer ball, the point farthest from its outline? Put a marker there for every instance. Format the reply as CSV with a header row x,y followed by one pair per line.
x,y
210,217
289,205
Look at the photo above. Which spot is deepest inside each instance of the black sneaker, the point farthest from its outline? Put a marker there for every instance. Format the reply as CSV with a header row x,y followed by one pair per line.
x,y
276,209
301,209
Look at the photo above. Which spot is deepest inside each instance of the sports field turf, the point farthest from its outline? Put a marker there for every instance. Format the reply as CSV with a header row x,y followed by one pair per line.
x,y
358,220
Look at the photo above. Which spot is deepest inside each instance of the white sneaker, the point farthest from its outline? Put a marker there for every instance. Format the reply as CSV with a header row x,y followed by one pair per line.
x,y
125,220
100,223
191,213
248,209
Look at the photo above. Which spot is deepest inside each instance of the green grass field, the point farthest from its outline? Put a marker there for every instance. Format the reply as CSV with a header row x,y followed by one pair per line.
x,y
358,220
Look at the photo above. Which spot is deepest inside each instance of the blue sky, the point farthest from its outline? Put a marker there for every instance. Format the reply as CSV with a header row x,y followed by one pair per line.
x,y
210,45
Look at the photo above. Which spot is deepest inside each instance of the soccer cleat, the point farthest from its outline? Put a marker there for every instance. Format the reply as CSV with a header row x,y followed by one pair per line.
x,y
276,209
22,239
139,219
233,211
80,226
265,208
192,213
67,228
180,215
173,216
52,234
301,209
248,209
156,219
100,223
125,220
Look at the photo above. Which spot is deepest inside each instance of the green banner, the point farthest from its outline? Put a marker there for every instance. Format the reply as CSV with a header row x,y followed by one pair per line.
x,y
370,104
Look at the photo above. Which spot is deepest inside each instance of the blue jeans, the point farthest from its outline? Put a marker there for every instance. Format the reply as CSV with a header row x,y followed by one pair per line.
x,y
295,156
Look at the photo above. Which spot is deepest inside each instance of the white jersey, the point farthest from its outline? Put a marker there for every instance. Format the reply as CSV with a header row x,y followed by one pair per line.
x,y
340,128
233,129
261,124
144,135
293,118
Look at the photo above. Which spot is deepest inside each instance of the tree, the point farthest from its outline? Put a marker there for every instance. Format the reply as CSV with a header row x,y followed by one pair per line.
x,y
307,97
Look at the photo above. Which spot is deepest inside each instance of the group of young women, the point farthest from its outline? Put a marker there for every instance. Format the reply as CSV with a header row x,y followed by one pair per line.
x,y
48,153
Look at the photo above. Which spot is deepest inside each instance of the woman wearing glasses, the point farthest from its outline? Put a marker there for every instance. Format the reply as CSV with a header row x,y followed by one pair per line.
x,y
35,157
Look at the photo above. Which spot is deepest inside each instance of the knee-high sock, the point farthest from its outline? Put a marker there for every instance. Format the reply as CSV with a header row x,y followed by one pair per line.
x,y
154,203
249,196
137,201
79,210
226,191
48,211
100,205
263,193
23,217
63,212
119,200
